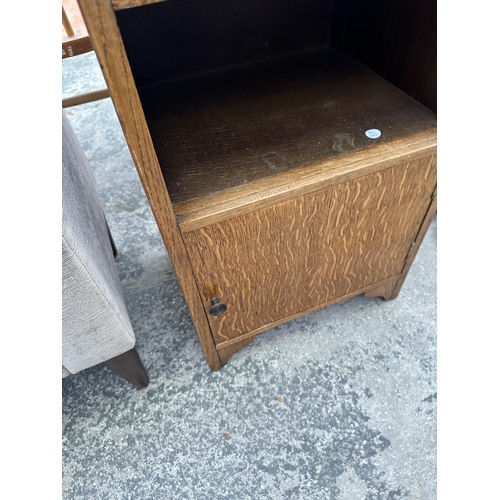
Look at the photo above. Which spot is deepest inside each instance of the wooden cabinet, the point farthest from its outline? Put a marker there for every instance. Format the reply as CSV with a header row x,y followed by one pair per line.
x,y
284,174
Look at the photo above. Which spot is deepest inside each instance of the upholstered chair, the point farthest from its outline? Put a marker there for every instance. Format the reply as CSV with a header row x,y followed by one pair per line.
x,y
95,323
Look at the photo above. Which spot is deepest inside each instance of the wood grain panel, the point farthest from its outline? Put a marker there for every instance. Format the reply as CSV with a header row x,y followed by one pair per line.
x,y
370,291
294,256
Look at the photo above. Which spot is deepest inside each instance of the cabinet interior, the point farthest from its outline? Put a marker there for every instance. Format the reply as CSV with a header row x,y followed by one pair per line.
x,y
234,92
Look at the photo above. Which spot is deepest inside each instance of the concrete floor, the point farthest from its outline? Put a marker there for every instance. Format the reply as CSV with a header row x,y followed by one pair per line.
x,y
340,404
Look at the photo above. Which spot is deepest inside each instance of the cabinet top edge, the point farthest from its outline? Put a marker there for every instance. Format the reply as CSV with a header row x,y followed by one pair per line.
x,y
128,4
195,214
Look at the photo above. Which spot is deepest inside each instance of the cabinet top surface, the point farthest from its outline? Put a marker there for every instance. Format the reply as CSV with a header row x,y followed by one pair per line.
x,y
222,130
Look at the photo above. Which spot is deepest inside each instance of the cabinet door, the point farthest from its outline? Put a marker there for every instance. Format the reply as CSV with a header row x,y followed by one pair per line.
x,y
281,260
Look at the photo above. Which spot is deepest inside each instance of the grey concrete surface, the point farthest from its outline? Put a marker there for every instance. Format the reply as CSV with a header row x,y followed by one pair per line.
x,y
340,404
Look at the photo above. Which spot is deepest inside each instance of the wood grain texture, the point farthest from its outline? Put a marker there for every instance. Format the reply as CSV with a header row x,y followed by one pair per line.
x,y
128,4
103,30
303,180
416,244
225,352
251,335
294,256
224,130
78,42
384,289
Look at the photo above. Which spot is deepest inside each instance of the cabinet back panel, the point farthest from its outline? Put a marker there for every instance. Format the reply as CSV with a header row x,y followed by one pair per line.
x,y
169,40
395,38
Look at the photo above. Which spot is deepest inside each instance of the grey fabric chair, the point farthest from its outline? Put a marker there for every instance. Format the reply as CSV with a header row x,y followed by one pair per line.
x,y
95,324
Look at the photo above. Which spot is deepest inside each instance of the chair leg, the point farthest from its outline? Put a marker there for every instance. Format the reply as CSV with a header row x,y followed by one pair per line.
x,y
129,366
112,241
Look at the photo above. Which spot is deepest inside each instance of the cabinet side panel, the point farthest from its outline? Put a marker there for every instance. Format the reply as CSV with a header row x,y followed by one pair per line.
x,y
278,261
105,36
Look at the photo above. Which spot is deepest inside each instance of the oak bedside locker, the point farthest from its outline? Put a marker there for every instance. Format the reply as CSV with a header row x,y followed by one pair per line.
x,y
287,147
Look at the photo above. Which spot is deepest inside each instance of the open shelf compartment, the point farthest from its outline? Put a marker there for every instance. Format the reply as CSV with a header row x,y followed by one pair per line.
x,y
222,130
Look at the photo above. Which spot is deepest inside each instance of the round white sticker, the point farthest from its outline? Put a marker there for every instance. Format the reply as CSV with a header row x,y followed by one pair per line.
x,y
373,133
